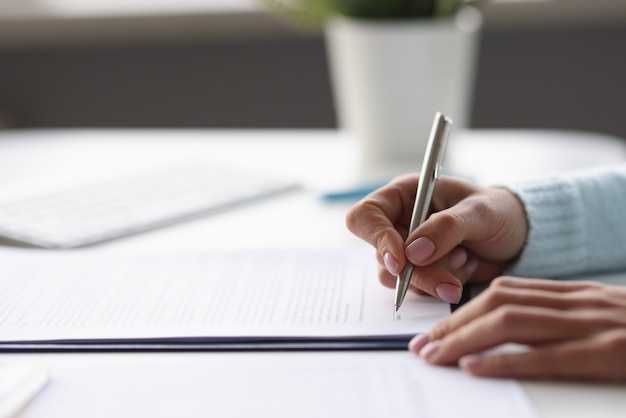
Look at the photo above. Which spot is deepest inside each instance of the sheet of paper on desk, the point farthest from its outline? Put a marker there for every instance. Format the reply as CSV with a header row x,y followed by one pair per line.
x,y
277,385
215,296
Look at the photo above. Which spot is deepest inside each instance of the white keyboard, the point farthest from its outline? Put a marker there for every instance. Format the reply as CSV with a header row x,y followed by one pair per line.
x,y
110,209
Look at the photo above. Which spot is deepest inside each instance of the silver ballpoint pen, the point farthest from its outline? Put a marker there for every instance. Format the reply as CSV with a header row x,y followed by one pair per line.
x,y
433,160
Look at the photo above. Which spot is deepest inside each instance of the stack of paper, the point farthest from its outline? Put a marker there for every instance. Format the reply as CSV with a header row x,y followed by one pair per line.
x,y
215,298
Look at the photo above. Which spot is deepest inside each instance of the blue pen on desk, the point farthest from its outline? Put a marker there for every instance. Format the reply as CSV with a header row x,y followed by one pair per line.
x,y
356,192
431,166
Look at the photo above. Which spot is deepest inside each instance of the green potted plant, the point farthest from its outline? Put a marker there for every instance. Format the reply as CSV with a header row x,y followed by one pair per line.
x,y
313,13
393,65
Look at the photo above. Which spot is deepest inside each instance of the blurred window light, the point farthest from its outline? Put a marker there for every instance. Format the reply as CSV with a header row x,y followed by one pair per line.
x,y
96,8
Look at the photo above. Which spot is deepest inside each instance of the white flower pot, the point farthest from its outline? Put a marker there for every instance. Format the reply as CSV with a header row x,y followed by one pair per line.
x,y
390,77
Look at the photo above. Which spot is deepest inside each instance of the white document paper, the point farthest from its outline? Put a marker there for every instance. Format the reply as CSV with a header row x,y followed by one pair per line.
x,y
236,295
395,384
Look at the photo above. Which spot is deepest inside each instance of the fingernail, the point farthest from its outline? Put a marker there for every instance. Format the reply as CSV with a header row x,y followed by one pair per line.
x,y
429,350
448,292
471,267
391,264
418,342
471,363
420,249
457,258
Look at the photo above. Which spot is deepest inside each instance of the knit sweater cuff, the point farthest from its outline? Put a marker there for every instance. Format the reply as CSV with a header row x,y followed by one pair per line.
x,y
556,239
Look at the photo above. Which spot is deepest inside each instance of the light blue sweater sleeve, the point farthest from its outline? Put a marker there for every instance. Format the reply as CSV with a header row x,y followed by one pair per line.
x,y
577,223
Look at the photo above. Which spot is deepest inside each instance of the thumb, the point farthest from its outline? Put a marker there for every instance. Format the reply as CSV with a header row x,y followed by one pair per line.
x,y
491,224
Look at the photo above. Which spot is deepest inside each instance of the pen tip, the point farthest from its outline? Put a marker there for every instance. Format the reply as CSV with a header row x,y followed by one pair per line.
x,y
397,307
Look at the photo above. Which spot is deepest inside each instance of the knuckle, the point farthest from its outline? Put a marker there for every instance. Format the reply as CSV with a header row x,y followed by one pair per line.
x,y
481,207
379,239
506,317
440,330
407,178
495,297
502,282
360,221
588,298
354,214
447,222
613,343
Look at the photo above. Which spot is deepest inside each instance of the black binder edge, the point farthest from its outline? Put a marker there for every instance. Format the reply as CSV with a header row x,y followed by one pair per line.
x,y
199,346
333,344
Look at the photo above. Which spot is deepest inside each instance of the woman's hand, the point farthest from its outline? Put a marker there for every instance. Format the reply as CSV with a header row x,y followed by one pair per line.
x,y
474,233
574,330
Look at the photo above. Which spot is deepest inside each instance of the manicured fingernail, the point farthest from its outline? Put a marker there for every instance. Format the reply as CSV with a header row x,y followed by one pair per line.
x,y
418,342
429,350
391,264
449,292
471,267
457,258
420,249
471,363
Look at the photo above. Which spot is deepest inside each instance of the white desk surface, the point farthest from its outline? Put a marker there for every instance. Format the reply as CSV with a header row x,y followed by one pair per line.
x,y
31,161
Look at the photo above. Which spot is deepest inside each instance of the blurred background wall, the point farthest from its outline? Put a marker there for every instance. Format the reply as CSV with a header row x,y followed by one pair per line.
x,y
552,64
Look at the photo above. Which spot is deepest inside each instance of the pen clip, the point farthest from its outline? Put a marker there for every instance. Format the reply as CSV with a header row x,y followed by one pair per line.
x,y
442,134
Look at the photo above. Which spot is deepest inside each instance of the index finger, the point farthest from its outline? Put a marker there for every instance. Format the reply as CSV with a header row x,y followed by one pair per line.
x,y
382,217
511,291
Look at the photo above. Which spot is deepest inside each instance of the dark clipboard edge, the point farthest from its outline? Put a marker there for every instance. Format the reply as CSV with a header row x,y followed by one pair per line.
x,y
212,347
229,346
